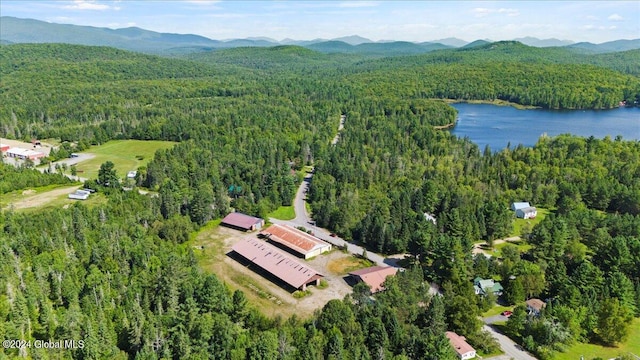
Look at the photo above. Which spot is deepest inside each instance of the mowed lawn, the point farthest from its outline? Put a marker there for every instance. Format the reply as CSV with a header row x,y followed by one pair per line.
x,y
127,155
519,223
590,351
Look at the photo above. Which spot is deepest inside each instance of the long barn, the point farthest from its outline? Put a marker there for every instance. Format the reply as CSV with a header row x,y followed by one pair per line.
x,y
272,260
296,241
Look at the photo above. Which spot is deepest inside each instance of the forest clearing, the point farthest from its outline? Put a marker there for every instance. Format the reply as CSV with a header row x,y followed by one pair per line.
x,y
211,246
127,155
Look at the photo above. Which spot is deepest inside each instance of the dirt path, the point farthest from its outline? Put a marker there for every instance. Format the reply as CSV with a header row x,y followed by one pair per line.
x,y
31,199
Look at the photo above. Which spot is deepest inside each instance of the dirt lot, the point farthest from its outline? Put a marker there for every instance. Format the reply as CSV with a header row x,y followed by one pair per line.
x,y
31,199
213,243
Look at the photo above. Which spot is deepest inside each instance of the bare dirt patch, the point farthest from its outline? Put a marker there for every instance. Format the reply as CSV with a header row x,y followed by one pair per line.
x,y
213,243
31,199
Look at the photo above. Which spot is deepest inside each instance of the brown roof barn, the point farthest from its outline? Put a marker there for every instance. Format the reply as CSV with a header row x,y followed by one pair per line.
x,y
240,221
272,260
374,276
296,240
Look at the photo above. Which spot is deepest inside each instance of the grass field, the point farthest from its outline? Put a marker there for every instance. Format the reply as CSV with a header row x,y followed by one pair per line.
x,y
283,213
590,351
127,155
519,223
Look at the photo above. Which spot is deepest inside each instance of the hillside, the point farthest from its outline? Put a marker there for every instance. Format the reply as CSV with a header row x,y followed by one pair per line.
x,y
125,276
15,30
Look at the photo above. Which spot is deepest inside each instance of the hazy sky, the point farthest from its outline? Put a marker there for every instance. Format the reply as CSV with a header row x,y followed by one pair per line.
x,y
593,21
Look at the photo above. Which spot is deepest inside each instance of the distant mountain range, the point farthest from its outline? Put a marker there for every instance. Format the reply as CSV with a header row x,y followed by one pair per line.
x,y
15,30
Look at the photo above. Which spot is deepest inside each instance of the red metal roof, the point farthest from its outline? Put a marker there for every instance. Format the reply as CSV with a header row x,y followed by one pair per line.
x,y
293,238
374,276
272,260
459,344
241,220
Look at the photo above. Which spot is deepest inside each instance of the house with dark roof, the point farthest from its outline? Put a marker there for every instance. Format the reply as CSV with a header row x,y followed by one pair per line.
x,y
240,221
486,286
460,345
295,241
374,276
276,263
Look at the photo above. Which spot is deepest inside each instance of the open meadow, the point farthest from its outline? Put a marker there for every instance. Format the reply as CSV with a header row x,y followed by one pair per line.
x,y
127,155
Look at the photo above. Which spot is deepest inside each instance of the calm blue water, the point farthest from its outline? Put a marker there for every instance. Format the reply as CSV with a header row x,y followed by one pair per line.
x,y
498,125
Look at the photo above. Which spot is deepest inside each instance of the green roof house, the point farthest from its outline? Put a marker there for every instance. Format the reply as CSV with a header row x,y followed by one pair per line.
x,y
485,286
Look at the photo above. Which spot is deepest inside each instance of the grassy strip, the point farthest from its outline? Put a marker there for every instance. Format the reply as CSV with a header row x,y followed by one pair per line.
x,y
283,213
590,351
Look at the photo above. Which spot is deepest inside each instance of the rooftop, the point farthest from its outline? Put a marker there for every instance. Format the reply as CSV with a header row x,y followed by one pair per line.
x,y
459,343
375,276
536,304
293,238
269,258
240,220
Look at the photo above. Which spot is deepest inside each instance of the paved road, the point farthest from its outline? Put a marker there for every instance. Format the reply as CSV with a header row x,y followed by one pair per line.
x,y
70,161
303,219
510,348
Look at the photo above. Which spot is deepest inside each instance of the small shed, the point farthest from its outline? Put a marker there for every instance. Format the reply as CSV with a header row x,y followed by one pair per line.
x,y
80,195
243,222
374,276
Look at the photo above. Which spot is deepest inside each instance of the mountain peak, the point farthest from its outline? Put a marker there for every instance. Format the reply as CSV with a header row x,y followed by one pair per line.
x,y
353,40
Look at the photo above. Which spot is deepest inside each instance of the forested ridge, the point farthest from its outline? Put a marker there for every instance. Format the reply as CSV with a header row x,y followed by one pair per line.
x,y
122,277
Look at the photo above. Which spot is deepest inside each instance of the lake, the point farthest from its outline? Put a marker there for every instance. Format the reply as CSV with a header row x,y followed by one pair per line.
x,y
496,126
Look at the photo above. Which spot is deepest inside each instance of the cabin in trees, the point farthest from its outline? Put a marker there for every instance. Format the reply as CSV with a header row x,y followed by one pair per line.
x,y
486,286
276,264
243,222
374,276
295,241
524,210
535,306
460,345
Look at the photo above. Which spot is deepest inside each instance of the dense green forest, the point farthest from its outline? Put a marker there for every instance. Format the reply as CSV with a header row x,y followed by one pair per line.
x,y
122,277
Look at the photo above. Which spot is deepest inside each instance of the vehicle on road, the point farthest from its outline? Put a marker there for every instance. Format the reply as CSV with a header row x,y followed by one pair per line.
x,y
507,313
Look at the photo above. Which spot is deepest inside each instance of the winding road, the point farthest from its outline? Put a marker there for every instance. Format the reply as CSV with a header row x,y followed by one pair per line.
x,y
303,219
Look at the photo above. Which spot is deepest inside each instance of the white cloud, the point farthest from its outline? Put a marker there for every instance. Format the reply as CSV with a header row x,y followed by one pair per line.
x,y
509,12
89,5
482,12
615,17
202,2
358,4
